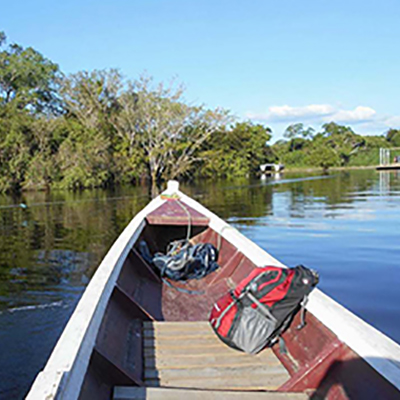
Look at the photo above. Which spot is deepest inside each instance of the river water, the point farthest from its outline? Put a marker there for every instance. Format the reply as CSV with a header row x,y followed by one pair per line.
x,y
346,225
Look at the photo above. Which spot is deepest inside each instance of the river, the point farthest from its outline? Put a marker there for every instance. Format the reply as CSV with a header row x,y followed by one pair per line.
x,y
345,224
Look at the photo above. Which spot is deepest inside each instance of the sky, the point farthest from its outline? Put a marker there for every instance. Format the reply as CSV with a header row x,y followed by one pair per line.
x,y
274,62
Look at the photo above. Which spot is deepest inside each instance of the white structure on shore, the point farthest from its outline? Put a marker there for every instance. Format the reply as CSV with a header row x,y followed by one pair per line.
x,y
386,161
271,167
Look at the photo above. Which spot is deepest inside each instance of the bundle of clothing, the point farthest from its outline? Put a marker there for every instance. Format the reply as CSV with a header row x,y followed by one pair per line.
x,y
183,261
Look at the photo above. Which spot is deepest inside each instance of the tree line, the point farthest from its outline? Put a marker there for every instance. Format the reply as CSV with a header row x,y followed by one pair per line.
x,y
97,129
334,146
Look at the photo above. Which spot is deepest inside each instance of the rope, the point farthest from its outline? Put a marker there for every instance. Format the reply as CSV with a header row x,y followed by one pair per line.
x,y
189,219
183,290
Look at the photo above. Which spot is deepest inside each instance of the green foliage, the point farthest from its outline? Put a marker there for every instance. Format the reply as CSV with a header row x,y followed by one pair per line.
x,y
336,145
237,151
92,97
393,136
15,138
84,158
298,130
42,169
27,79
324,157
169,131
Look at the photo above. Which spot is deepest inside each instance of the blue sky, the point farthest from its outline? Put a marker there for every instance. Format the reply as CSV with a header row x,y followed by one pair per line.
x,y
277,62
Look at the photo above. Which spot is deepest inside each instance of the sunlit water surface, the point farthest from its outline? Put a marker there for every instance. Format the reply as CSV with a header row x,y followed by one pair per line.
x,y
346,225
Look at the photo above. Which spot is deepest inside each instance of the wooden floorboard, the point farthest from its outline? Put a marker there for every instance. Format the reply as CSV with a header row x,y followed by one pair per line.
x,y
226,383
178,325
212,371
136,393
189,351
183,342
190,355
173,333
206,360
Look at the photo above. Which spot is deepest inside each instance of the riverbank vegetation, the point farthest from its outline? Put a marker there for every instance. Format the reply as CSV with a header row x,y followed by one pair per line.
x,y
97,129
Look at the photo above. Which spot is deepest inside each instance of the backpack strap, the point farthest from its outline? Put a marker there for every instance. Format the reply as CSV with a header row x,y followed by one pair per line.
x,y
282,345
261,307
303,314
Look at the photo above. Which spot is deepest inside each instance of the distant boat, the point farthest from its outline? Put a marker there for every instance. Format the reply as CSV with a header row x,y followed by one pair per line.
x,y
272,167
134,337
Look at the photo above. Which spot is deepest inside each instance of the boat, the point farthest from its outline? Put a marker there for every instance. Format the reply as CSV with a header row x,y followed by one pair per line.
x,y
132,336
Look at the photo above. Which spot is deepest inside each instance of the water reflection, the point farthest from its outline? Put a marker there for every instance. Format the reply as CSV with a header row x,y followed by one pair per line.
x,y
56,242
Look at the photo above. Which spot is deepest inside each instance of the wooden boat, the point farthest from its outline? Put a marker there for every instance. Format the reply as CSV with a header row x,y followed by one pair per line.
x,y
133,337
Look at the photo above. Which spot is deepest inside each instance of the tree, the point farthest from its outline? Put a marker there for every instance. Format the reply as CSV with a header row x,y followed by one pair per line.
x,y
3,38
324,157
15,141
125,120
87,156
92,97
297,130
293,131
342,140
393,136
28,80
84,158
43,167
332,128
237,151
308,133
168,130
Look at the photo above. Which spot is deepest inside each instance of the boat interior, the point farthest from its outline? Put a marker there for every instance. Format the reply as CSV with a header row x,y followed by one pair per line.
x,y
155,342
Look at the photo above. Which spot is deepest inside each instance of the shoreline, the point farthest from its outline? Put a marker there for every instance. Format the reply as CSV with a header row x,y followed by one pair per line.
x,y
138,184
316,169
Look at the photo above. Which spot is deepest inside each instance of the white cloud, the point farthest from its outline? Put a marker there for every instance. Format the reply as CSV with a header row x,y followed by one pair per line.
x,y
359,114
317,114
289,113
311,111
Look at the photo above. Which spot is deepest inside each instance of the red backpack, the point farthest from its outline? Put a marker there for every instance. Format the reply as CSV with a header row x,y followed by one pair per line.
x,y
252,316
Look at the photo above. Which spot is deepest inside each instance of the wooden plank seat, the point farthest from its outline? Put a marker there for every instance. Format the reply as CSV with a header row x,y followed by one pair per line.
x,y
190,355
151,393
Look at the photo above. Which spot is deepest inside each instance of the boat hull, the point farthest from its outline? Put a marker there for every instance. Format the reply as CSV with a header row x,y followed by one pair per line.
x,y
336,355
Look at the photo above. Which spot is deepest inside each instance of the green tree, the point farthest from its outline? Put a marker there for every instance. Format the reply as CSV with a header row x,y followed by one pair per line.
x,y
237,151
342,140
293,131
393,137
170,131
28,98
339,144
43,168
130,159
15,142
324,157
28,80
297,130
92,97
86,157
